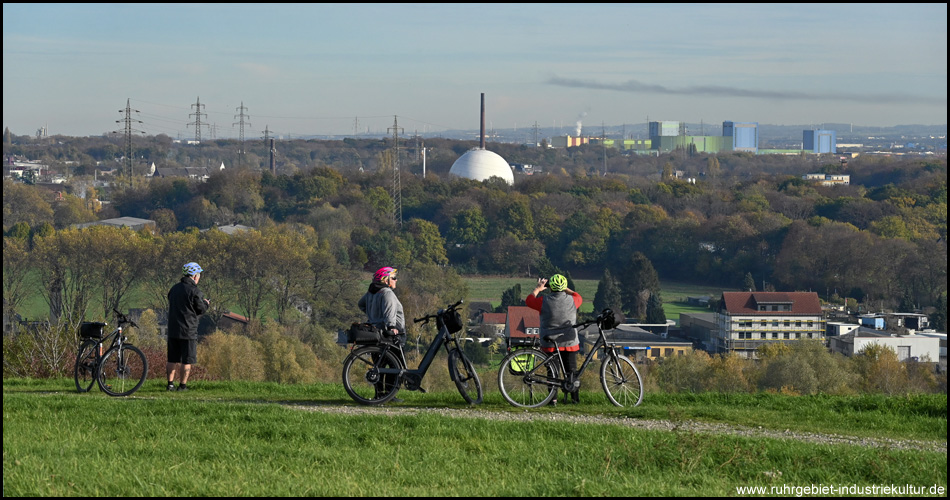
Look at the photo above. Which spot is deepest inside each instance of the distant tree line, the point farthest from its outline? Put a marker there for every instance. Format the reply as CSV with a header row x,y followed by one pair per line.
x,y
748,219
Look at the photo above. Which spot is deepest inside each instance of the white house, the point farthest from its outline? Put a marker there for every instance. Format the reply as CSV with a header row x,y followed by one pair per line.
x,y
907,347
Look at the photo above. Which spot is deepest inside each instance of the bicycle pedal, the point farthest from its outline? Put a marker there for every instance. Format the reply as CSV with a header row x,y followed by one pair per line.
x,y
422,390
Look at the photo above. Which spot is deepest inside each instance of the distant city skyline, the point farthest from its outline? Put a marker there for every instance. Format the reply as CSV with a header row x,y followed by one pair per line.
x,y
333,69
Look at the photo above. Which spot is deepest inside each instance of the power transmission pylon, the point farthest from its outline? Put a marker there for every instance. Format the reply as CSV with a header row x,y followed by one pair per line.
x,y
128,135
197,122
397,185
241,122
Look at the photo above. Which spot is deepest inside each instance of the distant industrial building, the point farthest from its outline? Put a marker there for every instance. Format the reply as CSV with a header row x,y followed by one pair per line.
x,y
481,164
744,135
819,141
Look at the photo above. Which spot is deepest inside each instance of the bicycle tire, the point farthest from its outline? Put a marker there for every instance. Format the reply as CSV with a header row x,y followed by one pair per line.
x,y
360,380
84,371
519,386
122,371
465,377
621,381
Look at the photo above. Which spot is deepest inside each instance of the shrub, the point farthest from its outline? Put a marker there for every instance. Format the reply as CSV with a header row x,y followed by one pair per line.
x,y
728,374
232,357
41,350
880,370
286,358
687,373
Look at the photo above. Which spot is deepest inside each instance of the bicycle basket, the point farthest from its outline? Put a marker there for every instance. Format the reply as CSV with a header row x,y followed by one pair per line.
x,y
363,333
91,330
452,320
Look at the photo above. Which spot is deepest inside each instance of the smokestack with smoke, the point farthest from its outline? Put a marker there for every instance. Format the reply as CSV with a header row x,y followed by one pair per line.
x,y
577,128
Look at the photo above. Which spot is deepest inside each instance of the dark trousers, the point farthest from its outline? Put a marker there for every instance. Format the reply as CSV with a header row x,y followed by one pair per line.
x,y
569,358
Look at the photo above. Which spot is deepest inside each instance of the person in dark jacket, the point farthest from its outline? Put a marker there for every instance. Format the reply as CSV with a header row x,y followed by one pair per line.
x,y
558,314
185,304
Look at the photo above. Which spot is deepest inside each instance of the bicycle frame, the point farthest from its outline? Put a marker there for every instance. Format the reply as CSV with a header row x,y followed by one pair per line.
x,y
560,381
443,338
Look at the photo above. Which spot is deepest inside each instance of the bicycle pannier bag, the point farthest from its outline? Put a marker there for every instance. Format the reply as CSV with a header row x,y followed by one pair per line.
x,y
90,330
363,333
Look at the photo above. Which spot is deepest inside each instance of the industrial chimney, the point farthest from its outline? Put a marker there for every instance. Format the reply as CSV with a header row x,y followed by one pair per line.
x,y
481,144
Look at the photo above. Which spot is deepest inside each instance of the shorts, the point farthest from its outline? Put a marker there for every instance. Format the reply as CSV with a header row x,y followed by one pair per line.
x,y
183,351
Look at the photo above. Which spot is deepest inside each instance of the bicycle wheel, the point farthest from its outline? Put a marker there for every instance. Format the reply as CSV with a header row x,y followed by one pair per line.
x,y
621,381
363,382
84,372
122,371
465,377
521,378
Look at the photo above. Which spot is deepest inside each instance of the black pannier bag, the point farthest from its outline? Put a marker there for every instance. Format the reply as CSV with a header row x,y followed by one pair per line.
x,y
452,320
363,333
91,330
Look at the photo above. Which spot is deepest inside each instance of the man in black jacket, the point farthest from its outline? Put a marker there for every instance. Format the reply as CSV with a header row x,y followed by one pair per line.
x,y
185,304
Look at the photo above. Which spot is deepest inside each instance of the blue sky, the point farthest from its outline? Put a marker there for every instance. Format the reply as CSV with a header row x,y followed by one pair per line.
x,y
315,69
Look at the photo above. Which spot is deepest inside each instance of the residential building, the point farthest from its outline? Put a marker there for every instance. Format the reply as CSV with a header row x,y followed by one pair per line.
x,y
522,326
828,179
747,320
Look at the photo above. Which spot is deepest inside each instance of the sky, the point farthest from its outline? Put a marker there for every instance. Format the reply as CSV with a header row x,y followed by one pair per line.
x,y
301,70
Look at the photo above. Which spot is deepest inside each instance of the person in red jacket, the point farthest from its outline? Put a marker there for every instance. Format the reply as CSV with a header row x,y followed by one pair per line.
x,y
558,314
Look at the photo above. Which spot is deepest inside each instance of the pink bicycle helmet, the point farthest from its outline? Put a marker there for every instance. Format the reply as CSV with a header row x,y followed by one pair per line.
x,y
383,273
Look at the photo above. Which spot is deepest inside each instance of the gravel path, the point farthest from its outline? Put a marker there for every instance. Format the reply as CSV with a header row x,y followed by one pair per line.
x,y
662,425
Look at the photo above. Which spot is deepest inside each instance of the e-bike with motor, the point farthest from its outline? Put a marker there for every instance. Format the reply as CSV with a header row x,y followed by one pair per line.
x,y
373,374
529,378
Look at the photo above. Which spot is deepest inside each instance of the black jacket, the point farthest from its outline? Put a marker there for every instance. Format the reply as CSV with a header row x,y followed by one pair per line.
x,y
185,304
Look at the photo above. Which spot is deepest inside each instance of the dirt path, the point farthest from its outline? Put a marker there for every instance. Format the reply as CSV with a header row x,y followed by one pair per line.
x,y
663,425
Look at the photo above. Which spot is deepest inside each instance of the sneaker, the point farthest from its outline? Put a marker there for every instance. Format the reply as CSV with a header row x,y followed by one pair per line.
x,y
182,387
171,387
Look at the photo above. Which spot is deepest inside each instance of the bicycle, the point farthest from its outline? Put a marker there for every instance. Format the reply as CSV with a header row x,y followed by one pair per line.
x,y
529,378
373,374
120,371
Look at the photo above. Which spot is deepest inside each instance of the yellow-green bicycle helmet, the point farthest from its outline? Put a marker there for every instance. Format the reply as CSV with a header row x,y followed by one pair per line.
x,y
557,283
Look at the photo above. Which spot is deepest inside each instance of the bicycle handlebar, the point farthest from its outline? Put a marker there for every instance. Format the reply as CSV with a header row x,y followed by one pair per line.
x,y
431,316
121,318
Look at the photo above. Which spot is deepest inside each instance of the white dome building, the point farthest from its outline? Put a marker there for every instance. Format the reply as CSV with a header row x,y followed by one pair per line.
x,y
481,164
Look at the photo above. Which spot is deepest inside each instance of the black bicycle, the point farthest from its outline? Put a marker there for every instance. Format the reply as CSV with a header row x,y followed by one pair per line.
x,y
119,371
373,374
529,378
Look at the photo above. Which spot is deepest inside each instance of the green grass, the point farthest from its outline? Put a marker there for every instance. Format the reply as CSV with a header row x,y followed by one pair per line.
x,y
245,439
